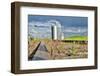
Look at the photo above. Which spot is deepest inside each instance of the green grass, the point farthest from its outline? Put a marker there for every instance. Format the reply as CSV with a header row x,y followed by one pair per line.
x,y
77,38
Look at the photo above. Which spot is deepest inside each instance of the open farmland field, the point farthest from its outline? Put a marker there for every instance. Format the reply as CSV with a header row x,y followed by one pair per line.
x,y
32,44
77,38
52,37
57,49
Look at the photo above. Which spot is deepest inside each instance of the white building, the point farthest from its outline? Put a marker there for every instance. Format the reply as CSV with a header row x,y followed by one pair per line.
x,y
62,36
56,32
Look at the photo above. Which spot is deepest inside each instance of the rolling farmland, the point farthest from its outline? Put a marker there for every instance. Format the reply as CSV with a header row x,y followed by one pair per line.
x,y
57,49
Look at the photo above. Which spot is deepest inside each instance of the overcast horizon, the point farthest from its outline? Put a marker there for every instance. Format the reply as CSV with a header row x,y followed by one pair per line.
x,y
40,25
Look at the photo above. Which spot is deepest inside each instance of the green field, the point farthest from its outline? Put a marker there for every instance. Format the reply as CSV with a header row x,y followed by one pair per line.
x,y
77,38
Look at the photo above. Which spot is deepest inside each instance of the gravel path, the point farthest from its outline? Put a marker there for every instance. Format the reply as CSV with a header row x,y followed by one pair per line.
x,y
41,53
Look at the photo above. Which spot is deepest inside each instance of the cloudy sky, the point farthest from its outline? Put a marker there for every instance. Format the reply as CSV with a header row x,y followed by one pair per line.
x,y
39,26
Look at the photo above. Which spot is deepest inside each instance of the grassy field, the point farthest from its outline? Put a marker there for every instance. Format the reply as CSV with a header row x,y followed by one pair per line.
x,y
64,50
58,49
77,38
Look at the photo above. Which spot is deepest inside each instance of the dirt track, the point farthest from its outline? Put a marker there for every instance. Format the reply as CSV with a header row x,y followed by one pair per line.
x,y
51,50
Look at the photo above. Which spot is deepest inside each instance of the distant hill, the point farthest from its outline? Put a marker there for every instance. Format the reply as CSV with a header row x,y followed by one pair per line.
x,y
77,38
